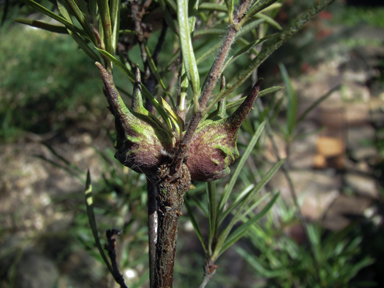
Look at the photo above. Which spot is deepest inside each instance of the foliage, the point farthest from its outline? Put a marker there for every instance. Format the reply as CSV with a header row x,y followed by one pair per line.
x,y
99,27
36,89
355,16
328,260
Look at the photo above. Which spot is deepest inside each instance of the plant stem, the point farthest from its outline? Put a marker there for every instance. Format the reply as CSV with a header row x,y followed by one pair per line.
x,y
211,81
210,269
170,199
152,229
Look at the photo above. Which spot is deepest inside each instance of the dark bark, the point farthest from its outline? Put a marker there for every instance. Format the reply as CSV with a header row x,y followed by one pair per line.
x,y
171,192
152,229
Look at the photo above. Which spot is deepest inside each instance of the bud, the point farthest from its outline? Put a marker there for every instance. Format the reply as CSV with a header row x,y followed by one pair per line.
x,y
213,147
142,143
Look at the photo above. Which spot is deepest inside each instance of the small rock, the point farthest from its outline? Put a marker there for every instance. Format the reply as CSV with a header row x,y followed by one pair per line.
x,y
316,203
363,153
363,185
357,113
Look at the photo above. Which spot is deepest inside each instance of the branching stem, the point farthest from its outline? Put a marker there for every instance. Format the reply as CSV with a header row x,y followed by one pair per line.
x,y
211,81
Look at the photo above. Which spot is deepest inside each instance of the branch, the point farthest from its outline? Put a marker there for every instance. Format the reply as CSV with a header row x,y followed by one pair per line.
x,y
152,229
209,271
210,83
111,248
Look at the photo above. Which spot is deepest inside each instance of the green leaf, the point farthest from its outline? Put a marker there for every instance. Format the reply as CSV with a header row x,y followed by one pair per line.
x,y
244,157
52,15
115,19
292,101
61,158
268,20
187,49
243,229
248,46
268,49
236,203
212,210
84,46
131,77
244,204
210,31
255,263
81,18
105,17
154,70
43,25
217,46
213,7
92,220
257,7
238,102
174,117
63,167
172,5
194,223
316,103
167,16
79,40
230,7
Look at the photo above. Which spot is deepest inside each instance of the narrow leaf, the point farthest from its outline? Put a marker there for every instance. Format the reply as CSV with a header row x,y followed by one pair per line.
x,y
243,229
52,15
223,236
92,220
154,70
316,103
131,77
84,46
43,25
238,102
187,49
255,263
244,157
257,7
105,17
212,209
194,223
81,18
174,117
167,16
273,44
268,20
213,7
115,20
292,100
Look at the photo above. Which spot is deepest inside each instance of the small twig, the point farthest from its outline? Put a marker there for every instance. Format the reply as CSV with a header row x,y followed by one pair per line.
x,y
209,271
111,248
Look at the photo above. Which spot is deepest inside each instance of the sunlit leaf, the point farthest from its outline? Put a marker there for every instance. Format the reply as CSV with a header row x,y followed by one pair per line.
x,y
194,223
131,77
267,50
240,165
187,49
43,25
92,220
243,229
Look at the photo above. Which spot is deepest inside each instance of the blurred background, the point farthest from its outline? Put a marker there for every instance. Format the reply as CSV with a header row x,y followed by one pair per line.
x,y
54,125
